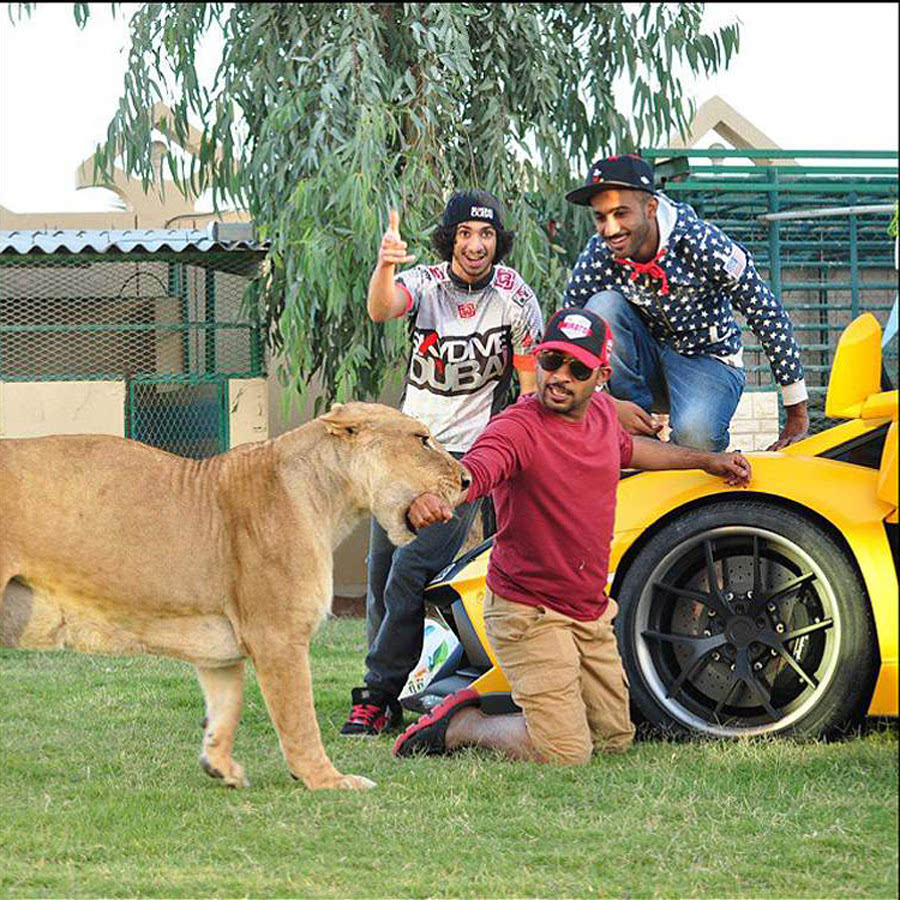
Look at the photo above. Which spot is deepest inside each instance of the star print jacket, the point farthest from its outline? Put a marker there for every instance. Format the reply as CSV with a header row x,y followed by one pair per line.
x,y
688,293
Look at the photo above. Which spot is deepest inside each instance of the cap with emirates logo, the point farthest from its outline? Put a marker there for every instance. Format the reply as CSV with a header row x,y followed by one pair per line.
x,y
580,333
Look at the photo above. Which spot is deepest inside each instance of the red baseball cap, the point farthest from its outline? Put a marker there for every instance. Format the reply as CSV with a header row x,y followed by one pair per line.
x,y
580,333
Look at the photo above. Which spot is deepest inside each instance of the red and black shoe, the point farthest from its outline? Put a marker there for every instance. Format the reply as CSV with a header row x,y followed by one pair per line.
x,y
428,735
372,713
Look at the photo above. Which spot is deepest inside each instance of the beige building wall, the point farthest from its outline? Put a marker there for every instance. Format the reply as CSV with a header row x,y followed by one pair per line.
x,y
38,408
35,409
248,410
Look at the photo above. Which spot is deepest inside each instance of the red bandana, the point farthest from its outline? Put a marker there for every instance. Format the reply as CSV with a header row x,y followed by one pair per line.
x,y
648,268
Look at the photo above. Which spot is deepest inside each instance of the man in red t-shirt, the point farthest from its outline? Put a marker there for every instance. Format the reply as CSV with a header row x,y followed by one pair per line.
x,y
552,462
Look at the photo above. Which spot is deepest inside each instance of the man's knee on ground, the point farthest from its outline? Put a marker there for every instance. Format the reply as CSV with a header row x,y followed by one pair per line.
x,y
571,749
574,756
617,743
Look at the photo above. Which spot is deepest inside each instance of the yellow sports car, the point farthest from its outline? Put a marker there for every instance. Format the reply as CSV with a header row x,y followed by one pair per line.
x,y
769,609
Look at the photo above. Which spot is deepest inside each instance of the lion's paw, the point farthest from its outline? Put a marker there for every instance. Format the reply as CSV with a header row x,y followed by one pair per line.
x,y
231,775
354,783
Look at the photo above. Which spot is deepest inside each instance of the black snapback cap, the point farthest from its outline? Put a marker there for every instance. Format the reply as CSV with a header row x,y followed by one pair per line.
x,y
628,171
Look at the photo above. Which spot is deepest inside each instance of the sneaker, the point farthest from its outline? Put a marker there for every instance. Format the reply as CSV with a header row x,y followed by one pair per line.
x,y
427,736
372,713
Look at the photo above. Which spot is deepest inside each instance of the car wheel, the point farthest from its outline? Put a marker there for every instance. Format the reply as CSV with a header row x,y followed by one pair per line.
x,y
746,618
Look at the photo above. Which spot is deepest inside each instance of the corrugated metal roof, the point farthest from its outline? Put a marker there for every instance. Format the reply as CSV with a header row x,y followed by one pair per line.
x,y
142,241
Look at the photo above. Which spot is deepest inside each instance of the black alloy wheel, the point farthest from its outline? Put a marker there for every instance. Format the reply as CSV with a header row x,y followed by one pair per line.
x,y
745,618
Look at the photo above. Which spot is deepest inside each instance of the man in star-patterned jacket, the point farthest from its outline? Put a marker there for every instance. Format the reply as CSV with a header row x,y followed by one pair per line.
x,y
668,283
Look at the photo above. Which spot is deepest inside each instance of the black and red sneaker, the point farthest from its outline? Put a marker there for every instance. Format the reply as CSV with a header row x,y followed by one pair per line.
x,y
372,713
428,735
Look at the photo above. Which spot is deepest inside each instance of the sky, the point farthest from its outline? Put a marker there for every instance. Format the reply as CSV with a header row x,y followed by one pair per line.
x,y
811,76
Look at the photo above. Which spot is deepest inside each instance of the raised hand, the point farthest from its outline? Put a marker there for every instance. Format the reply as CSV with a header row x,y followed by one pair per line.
x,y
392,251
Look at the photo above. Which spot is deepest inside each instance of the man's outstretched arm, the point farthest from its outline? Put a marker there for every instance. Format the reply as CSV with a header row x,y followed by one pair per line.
x,y
657,455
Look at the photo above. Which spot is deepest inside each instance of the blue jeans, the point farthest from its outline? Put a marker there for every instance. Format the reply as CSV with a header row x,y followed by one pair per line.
x,y
699,392
395,608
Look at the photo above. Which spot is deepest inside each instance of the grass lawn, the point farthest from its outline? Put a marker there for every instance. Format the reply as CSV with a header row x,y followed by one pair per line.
x,y
101,795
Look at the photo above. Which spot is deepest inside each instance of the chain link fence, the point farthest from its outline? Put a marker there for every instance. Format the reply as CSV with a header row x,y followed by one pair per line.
x,y
173,325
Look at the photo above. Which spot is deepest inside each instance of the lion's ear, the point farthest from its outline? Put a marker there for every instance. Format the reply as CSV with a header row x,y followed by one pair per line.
x,y
341,422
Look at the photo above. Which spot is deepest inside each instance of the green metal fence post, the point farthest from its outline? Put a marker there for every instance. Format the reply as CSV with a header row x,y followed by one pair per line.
x,y
251,301
224,416
178,288
774,237
256,346
854,259
129,408
210,318
823,355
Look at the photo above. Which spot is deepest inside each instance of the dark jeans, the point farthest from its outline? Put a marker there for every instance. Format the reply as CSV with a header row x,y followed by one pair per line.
x,y
395,608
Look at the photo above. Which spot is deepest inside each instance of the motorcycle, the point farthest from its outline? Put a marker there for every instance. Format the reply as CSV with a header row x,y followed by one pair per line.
x,y
456,652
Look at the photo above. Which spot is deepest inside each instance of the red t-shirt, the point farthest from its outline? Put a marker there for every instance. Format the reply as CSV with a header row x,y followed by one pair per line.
x,y
554,489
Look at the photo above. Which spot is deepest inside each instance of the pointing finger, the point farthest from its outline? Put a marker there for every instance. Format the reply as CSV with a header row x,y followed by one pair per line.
x,y
394,221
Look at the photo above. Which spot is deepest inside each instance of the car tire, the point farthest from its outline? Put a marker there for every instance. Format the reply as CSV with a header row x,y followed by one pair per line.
x,y
783,643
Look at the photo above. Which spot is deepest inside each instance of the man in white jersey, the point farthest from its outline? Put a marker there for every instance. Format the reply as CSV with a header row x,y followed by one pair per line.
x,y
472,321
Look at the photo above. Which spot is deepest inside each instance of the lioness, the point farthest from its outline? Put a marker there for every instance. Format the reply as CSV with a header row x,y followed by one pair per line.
x,y
111,546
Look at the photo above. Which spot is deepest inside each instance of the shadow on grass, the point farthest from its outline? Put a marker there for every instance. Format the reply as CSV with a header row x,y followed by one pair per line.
x,y
646,731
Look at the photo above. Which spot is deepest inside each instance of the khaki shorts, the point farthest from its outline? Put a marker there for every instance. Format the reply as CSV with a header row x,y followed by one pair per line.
x,y
565,675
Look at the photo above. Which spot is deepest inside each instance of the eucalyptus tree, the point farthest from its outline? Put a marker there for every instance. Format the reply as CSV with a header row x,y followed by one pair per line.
x,y
321,115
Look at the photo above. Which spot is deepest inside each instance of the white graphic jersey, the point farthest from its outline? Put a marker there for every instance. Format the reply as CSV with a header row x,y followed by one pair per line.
x,y
464,346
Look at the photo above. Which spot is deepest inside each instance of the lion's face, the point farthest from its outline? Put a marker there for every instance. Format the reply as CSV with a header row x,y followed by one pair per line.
x,y
399,460
411,463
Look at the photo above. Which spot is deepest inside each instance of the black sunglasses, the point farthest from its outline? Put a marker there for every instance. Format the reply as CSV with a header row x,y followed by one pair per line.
x,y
551,360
